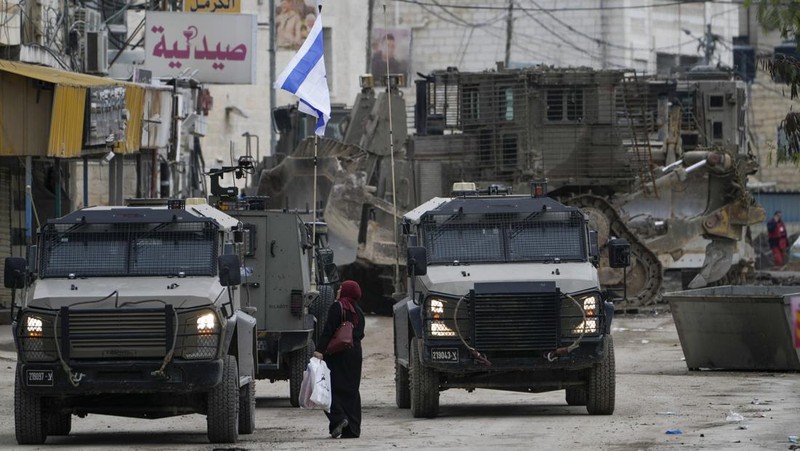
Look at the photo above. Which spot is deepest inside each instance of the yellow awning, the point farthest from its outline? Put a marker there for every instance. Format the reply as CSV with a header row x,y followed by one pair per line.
x,y
69,105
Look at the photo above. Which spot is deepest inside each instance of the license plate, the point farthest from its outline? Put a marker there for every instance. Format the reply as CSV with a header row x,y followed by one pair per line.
x,y
39,378
444,354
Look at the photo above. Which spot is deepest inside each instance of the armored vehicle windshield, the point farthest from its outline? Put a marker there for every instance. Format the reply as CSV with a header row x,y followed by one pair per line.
x,y
100,245
541,236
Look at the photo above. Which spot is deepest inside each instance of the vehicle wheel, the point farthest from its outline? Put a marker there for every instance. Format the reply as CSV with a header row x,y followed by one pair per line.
x,y
223,405
424,385
600,392
247,408
28,415
59,423
319,308
401,386
576,396
298,362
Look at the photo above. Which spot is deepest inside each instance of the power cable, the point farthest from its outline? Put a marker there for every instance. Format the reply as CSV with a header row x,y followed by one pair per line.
x,y
604,8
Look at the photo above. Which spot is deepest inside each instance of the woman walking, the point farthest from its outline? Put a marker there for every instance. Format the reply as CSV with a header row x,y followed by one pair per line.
x,y
345,366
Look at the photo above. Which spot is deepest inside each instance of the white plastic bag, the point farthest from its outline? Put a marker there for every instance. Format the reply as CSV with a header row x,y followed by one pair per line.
x,y
306,387
315,390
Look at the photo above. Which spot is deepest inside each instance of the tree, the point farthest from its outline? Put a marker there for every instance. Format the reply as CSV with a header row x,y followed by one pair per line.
x,y
783,16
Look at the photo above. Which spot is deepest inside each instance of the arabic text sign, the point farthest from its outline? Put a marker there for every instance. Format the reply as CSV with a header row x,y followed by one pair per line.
x,y
221,48
212,6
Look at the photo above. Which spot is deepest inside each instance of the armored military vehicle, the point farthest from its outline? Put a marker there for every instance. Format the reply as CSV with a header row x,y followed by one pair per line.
x,y
288,277
661,162
504,294
133,311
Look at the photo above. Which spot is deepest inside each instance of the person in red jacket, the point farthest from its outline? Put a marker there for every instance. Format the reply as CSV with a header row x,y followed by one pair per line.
x,y
778,240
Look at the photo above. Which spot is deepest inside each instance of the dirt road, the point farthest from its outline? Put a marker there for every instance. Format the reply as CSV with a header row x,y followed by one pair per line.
x,y
655,393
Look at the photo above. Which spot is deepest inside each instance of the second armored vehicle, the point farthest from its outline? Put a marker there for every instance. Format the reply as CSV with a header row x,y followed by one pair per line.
x,y
504,294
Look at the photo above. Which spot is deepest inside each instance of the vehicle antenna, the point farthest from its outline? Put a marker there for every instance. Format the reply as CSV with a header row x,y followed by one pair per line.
x,y
391,158
314,206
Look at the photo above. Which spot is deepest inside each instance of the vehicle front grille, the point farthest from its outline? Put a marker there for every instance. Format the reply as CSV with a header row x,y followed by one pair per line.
x,y
119,333
516,322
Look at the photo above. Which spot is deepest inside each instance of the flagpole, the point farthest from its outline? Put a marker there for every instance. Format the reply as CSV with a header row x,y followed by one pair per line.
x,y
314,221
314,207
391,158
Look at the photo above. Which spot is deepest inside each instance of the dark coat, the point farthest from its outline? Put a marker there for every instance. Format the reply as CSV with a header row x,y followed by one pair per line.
x,y
345,369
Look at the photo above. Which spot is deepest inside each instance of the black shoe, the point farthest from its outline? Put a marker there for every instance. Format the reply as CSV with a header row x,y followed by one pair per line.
x,y
337,431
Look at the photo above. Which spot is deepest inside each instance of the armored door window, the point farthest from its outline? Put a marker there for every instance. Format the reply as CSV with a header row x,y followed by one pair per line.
x,y
716,102
470,98
564,105
507,104
716,131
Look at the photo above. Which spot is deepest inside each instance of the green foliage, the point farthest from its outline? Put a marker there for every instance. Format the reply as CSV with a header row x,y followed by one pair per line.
x,y
783,16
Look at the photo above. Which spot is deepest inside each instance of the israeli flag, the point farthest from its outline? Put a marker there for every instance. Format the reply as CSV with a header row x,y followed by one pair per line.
x,y
305,77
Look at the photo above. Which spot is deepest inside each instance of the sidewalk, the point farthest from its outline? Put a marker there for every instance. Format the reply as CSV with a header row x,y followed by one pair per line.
x,y
7,351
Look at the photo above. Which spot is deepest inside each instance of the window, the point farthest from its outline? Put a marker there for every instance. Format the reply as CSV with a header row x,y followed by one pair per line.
x,y
716,131
715,102
564,105
555,105
508,101
574,100
471,103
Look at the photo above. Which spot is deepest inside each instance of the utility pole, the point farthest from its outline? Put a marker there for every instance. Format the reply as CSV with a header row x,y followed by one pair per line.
x,y
273,138
370,9
509,30
709,47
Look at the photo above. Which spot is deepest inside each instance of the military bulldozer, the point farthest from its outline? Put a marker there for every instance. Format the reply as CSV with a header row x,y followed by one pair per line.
x,y
662,163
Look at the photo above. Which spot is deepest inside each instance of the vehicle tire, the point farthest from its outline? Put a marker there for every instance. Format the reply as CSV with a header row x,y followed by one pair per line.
x,y
319,308
29,423
59,424
223,405
402,391
247,408
600,394
298,362
424,386
576,396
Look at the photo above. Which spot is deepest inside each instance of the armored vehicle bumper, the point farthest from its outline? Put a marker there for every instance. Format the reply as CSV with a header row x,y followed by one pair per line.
x,y
110,377
454,357
531,371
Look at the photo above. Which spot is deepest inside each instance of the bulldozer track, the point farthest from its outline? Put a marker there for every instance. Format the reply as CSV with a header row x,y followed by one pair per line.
x,y
650,292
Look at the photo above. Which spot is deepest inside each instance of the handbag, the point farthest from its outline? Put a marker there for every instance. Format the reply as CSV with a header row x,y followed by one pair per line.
x,y
343,337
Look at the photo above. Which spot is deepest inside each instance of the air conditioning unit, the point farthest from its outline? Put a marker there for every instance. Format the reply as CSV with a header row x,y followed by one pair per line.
x,y
11,26
87,20
96,56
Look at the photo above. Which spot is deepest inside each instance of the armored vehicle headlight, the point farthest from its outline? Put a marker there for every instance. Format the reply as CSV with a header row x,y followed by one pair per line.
x,y
207,323
33,326
37,341
586,327
437,308
438,327
590,305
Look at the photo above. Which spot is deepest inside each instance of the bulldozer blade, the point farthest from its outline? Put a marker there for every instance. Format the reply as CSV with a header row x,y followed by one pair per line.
x,y
719,259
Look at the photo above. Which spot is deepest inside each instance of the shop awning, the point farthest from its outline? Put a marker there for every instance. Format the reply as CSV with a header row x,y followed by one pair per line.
x,y
47,118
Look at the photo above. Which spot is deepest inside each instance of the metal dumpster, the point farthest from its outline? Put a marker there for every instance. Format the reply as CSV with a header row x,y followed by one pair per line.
x,y
739,327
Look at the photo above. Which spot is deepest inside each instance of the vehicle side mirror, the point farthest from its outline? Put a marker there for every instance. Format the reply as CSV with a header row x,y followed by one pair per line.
x,y
417,260
14,273
619,253
594,248
229,272
332,272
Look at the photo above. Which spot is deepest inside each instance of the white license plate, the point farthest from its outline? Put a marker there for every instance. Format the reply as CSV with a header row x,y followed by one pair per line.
x,y
444,354
39,378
